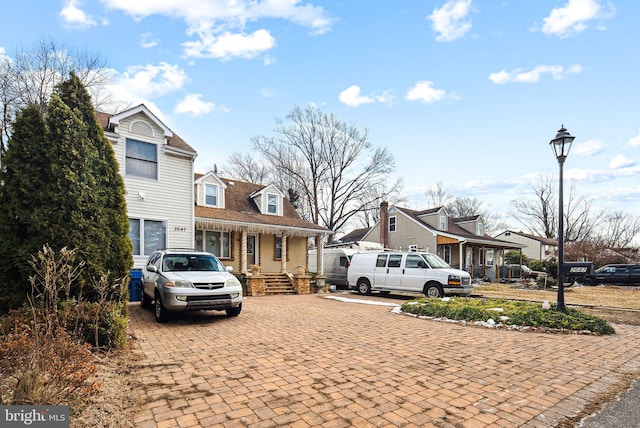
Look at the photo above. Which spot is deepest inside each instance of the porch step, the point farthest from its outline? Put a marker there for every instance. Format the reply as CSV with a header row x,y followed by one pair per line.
x,y
278,283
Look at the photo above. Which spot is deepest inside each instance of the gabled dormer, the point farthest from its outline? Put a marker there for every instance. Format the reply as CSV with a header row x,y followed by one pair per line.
x,y
436,218
472,224
210,191
269,200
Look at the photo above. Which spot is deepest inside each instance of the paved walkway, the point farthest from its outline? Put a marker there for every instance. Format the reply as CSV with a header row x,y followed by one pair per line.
x,y
309,361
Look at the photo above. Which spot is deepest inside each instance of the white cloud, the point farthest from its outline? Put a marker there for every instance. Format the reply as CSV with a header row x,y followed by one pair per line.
x,y
74,16
589,147
151,80
147,40
557,72
423,91
227,45
219,25
621,161
573,17
351,97
635,141
449,22
193,104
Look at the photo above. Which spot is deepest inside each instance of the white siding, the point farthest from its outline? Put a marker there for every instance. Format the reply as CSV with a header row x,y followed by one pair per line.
x,y
170,197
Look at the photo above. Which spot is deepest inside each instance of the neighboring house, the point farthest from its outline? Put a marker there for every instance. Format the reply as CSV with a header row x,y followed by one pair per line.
x,y
354,236
247,224
534,247
157,166
461,242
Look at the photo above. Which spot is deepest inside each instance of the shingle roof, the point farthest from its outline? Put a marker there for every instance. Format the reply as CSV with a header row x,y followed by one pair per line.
x,y
542,239
240,208
355,235
454,229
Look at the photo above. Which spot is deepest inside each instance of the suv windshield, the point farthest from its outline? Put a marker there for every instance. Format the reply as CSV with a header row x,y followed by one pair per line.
x,y
191,262
434,261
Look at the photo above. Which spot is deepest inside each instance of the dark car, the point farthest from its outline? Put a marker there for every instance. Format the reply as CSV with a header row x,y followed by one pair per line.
x,y
622,274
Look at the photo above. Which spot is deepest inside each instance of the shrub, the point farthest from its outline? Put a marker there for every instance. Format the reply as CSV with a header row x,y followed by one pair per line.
x,y
40,368
518,313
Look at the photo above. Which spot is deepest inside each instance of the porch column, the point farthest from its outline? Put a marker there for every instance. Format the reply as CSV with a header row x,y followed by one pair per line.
x,y
460,251
283,260
243,251
319,255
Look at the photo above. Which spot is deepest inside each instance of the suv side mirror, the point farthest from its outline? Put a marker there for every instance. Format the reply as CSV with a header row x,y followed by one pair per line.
x,y
229,268
152,268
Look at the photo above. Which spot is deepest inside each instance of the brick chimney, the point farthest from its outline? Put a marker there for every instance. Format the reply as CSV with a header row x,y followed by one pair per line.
x,y
384,223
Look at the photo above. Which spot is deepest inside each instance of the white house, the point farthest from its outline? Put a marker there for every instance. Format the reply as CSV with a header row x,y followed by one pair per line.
x,y
157,166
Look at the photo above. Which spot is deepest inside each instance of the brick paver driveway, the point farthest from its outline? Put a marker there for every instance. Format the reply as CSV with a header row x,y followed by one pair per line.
x,y
309,361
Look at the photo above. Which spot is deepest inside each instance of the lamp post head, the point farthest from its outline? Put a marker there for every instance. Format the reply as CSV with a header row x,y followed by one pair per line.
x,y
562,144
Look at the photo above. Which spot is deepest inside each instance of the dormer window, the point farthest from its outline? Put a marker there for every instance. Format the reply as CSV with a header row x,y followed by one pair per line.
x,y
272,203
211,195
443,222
480,229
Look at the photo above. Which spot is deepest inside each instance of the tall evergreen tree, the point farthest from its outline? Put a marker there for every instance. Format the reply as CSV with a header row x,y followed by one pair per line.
x,y
110,206
61,187
25,168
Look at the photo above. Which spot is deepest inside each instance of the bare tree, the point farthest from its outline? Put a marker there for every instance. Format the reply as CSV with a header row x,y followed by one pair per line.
x,y
244,167
392,193
328,164
437,196
579,221
538,215
30,75
618,229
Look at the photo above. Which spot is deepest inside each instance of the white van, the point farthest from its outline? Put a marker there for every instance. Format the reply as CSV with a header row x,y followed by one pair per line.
x,y
409,272
335,262
336,259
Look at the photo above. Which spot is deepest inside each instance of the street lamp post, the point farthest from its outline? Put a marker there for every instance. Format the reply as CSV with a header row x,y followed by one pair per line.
x,y
561,146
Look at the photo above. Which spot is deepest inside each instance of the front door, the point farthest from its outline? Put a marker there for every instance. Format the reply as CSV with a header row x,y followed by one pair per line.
x,y
252,252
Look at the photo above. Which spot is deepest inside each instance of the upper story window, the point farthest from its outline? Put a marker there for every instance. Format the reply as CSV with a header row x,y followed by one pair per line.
x,y
392,224
442,222
211,195
272,204
141,159
480,229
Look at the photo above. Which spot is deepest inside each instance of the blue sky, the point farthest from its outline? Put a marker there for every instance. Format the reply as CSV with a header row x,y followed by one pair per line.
x,y
463,92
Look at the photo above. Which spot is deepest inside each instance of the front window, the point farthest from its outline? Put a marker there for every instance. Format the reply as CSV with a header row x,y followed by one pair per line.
x,y
142,159
447,253
211,197
272,204
443,222
147,236
214,242
278,249
392,224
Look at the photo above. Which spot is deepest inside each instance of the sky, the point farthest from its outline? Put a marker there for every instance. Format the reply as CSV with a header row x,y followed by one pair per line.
x,y
467,93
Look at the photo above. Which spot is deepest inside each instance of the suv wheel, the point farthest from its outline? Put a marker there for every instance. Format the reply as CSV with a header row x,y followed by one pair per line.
x,y
146,301
234,312
160,311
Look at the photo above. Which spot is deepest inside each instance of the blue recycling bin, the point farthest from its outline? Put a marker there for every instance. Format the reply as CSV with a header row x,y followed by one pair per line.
x,y
135,285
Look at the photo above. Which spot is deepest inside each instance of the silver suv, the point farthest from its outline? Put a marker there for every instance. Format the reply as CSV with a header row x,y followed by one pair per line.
x,y
178,281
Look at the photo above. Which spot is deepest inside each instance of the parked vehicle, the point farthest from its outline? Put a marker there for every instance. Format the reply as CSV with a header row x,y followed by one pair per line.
x,y
580,272
335,260
623,274
409,272
178,281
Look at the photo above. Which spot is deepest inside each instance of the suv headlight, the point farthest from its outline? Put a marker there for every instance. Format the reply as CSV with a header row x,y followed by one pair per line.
x,y
178,283
232,282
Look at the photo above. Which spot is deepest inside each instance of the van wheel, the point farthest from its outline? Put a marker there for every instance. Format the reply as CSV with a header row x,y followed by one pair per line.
x,y
364,287
432,290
